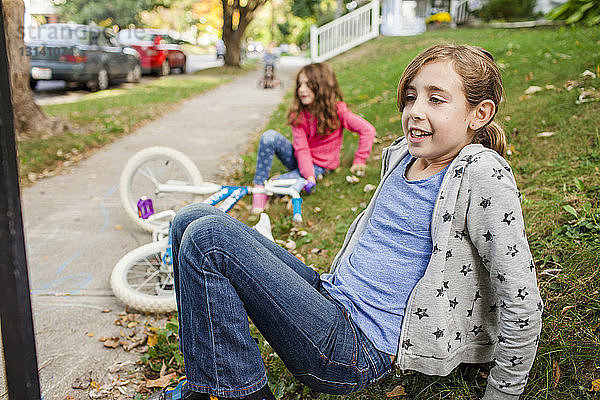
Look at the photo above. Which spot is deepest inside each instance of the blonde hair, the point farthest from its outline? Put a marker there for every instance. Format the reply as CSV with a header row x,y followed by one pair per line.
x,y
323,83
480,78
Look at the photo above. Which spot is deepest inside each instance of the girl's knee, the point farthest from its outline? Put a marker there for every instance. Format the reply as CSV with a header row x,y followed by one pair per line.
x,y
210,231
269,137
189,214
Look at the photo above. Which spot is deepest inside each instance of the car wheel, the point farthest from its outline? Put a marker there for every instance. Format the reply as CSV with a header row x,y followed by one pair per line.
x,y
101,82
135,74
183,68
33,83
165,68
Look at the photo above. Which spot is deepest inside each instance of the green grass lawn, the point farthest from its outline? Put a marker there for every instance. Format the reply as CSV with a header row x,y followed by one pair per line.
x,y
101,117
558,174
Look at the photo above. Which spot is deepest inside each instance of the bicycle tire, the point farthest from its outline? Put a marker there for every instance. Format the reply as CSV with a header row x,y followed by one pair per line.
x,y
149,167
145,264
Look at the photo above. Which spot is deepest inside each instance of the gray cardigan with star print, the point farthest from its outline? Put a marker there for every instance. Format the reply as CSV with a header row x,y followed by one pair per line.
x,y
478,300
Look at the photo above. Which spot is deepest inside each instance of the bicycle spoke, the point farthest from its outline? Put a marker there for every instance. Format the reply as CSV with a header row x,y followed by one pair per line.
x,y
149,175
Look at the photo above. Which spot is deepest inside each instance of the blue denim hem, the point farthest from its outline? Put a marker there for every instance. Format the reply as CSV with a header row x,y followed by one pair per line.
x,y
223,392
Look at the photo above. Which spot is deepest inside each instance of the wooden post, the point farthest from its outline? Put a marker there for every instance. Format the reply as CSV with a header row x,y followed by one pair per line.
x,y
20,358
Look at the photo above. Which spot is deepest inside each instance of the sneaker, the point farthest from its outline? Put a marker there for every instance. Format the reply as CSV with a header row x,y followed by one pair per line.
x,y
180,392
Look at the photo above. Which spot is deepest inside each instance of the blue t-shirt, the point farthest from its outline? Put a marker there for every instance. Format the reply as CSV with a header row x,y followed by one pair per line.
x,y
374,282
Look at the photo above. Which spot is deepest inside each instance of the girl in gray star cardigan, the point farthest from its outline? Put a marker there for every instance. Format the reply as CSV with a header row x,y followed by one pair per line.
x,y
478,299
435,272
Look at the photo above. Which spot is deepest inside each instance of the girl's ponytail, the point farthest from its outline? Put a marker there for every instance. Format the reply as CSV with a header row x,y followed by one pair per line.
x,y
492,136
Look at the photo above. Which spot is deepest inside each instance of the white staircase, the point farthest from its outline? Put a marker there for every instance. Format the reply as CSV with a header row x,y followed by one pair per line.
x,y
345,32
362,24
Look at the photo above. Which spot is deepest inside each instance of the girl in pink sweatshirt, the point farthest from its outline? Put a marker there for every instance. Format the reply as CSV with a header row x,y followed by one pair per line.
x,y
317,116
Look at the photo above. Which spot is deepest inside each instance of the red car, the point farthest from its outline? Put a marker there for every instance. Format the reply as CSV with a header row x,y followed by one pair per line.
x,y
159,52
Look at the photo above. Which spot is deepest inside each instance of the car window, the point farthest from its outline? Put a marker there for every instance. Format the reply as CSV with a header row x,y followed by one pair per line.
x,y
61,33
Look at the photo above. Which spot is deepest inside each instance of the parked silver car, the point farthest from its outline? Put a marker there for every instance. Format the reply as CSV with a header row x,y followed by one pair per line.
x,y
85,54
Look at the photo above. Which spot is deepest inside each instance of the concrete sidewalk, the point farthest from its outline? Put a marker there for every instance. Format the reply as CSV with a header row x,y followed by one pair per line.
x,y
76,229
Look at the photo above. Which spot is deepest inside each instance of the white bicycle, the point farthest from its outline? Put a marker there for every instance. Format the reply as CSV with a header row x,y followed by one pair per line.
x,y
154,184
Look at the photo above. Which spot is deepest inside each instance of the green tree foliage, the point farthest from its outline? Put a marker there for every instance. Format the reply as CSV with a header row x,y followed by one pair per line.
x,y
305,8
507,9
107,12
577,11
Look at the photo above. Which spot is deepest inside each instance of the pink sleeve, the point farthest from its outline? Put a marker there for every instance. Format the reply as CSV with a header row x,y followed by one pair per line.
x,y
366,132
302,150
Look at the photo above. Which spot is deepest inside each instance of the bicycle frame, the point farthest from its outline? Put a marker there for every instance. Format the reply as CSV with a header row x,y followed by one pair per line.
x,y
228,196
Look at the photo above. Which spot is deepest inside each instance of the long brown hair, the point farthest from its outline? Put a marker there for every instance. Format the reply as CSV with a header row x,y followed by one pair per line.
x,y
480,78
324,85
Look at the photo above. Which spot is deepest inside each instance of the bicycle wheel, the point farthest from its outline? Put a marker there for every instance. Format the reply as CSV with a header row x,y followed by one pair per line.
x,y
143,281
148,168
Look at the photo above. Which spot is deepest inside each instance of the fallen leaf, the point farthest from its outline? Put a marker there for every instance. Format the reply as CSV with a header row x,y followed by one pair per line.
x,y
132,324
556,372
533,89
352,179
152,340
69,397
397,391
90,334
106,310
587,96
545,134
300,257
82,382
290,245
112,343
368,187
588,73
317,209
118,227
567,308
116,367
570,85
595,386
160,382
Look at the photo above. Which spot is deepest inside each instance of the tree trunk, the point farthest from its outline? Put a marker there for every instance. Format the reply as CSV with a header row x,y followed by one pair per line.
x,y
233,34
28,118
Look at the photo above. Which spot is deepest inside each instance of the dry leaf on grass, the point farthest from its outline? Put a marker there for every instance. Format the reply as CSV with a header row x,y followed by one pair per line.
x,y
160,382
545,134
595,386
397,391
152,340
556,373
533,89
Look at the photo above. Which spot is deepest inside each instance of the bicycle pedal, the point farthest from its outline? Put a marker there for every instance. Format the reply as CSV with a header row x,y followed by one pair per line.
x,y
145,207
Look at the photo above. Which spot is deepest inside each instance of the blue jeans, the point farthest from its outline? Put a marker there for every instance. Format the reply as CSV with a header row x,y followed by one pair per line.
x,y
226,272
273,143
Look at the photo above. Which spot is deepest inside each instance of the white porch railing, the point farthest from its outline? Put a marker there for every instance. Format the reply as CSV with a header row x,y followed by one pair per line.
x,y
345,32
459,11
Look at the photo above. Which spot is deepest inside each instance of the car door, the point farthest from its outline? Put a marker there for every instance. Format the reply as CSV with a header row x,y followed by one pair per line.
x,y
116,60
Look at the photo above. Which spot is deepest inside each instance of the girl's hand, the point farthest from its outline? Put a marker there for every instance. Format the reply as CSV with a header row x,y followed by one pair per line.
x,y
311,179
310,185
358,169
